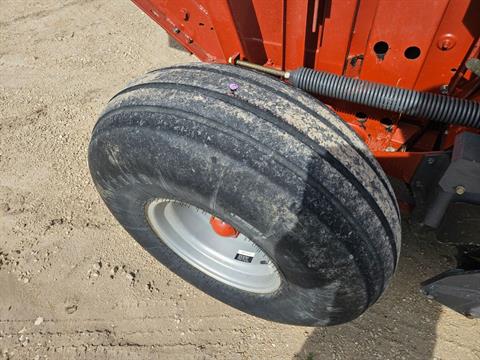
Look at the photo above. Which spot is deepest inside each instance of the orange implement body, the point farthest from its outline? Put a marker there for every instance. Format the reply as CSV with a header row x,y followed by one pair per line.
x,y
411,44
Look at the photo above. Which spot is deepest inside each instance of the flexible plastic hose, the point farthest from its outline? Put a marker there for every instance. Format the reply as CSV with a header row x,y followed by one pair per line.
x,y
424,105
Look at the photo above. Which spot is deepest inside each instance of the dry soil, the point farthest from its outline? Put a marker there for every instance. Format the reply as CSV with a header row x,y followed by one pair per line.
x,y
73,284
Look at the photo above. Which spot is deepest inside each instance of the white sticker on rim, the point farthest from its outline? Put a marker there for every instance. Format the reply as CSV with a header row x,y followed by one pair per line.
x,y
244,256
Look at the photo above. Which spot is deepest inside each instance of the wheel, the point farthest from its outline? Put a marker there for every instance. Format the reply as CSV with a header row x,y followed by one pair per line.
x,y
249,189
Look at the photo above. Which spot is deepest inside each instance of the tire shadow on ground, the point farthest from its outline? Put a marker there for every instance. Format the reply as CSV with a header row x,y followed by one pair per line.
x,y
402,324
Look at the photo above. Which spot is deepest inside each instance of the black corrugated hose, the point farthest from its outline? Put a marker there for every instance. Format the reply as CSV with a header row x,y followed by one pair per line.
x,y
446,109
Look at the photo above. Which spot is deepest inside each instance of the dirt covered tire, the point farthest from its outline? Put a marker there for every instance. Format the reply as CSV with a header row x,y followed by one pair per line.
x,y
271,161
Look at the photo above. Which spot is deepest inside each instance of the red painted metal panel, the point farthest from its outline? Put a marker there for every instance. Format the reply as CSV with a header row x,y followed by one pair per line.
x,y
294,31
358,44
401,165
401,25
457,32
335,33
225,29
189,22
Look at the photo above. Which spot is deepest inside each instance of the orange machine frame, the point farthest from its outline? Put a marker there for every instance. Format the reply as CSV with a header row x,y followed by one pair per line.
x,y
414,44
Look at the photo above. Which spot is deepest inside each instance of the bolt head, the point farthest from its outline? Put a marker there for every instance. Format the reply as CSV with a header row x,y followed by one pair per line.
x,y
446,42
460,190
185,14
233,87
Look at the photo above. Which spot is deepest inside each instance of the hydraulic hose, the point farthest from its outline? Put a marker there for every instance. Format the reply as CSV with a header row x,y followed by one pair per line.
x,y
445,109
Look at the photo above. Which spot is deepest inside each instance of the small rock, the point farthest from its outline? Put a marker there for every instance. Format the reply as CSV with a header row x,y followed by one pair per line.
x,y
26,280
150,287
130,276
97,266
38,321
22,330
71,308
113,271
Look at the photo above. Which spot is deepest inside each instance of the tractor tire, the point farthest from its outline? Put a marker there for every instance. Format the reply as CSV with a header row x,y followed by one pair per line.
x,y
318,221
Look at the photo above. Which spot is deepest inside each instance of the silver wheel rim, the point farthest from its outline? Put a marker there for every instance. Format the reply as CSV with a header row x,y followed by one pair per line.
x,y
237,262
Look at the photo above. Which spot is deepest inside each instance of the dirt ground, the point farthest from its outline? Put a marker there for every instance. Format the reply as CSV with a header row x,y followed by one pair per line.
x,y
73,284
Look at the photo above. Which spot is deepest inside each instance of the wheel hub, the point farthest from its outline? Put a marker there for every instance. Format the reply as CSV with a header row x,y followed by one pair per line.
x,y
213,246
222,228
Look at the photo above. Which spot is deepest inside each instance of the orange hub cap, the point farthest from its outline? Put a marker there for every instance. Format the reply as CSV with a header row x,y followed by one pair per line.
x,y
222,228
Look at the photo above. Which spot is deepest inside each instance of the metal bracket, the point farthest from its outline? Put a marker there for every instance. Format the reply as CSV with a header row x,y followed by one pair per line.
x,y
457,289
436,185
